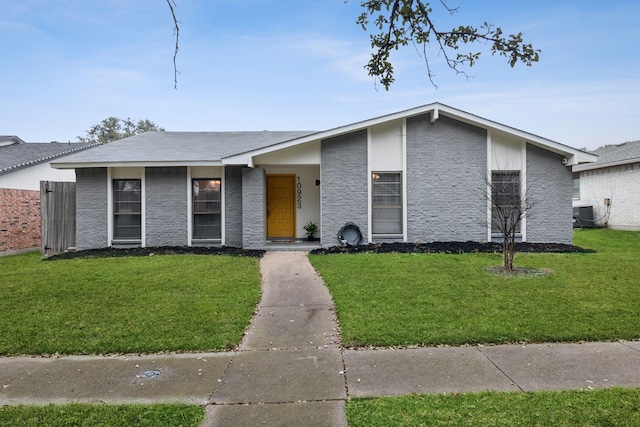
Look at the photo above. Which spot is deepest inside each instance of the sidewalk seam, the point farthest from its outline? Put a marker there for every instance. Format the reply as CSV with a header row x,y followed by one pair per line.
x,y
500,369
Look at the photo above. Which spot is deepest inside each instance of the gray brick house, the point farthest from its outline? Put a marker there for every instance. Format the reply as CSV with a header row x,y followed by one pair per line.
x,y
418,175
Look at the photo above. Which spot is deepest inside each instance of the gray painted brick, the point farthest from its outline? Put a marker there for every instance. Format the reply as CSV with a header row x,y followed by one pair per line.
x,y
446,185
343,185
91,208
254,208
233,206
549,191
166,206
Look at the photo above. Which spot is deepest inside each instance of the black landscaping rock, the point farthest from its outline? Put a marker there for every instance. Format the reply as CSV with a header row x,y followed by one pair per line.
x,y
164,250
447,247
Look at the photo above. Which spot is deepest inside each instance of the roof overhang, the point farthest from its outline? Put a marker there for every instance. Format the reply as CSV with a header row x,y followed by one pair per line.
x,y
598,165
80,165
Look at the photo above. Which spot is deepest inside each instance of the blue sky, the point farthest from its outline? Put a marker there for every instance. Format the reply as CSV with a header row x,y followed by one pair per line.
x,y
298,65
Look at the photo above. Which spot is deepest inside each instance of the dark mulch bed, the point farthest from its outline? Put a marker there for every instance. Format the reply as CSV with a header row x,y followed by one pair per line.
x,y
434,247
164,250
447,247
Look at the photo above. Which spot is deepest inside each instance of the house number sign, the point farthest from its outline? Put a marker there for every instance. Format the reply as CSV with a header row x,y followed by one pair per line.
x,y
299,194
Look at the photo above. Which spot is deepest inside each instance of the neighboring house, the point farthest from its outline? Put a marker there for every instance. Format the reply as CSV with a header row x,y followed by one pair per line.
x,y
418,175
607,192
22,167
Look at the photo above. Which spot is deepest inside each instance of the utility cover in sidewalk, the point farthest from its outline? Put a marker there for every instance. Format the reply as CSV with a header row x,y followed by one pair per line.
x,y
150,374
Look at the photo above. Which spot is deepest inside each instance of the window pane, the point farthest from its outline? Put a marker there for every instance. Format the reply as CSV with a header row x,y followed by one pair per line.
x,y
206,226
126,227
506,201
206,209
387,203
576,188
127,208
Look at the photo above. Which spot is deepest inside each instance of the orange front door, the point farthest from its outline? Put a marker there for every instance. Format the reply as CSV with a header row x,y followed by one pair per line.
x,y
281,219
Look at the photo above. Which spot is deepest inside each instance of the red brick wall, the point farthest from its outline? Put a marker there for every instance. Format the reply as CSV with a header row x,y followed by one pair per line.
x,y
19,219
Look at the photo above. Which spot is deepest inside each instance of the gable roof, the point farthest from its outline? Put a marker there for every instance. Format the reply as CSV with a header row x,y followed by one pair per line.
x,y
613,155
239,148
436,109
22,155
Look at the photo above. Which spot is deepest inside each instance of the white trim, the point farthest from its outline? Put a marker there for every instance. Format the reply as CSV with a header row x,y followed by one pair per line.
x,y
369,190
405,216
109,208
139,164
143,208
139,173
488,189
435,116
223,202
189,208
523,190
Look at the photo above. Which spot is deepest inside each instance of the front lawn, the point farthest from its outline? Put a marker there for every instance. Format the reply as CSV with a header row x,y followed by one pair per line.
x,y
101,415
608,407
125,304
433,299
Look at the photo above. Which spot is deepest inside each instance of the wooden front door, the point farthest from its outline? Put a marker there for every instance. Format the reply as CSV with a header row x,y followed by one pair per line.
x,y
281,220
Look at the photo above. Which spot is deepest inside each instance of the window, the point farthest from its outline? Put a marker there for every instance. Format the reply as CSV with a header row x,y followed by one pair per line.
x,y
207,221
127,209
576,186
386,203
507,208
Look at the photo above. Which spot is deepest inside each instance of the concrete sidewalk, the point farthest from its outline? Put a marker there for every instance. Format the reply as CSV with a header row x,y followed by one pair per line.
x,y
291,370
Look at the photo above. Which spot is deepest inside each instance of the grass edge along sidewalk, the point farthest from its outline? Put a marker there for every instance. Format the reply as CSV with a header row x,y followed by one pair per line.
x,y
408,299
126,304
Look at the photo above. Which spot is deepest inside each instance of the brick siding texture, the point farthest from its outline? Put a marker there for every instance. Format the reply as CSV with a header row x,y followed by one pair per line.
x,y
343,180
619,184
446,184
19,220
549,191
91,208
166,206
233,206
254,208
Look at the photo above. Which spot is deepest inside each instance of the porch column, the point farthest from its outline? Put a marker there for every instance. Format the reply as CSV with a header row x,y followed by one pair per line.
x,y
254,208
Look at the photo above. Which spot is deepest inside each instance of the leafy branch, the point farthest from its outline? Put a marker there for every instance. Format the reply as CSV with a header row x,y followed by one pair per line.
x,y
400,22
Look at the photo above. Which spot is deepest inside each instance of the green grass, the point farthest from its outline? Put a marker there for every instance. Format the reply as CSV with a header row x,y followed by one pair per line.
x,y
431,299
125,304
610,407
101,415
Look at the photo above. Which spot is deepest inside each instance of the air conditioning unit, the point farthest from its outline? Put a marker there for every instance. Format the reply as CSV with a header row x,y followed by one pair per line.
x,y
583,216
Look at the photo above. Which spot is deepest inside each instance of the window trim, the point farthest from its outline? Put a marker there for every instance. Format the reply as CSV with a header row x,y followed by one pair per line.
x,y
400,206
114,214
492,198
193,213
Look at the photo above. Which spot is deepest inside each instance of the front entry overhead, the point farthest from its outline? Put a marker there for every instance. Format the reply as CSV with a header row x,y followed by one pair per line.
x,y
281,206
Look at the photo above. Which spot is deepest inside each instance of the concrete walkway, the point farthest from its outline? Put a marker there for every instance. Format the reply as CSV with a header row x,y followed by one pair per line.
x,y
291,370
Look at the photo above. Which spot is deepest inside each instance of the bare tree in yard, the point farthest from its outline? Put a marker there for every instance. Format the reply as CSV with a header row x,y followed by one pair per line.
x,y
509,206
399,23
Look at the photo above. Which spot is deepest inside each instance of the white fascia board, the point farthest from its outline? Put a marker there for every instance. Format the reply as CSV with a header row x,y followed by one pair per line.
x,y
573,155
607,165
80,165
246,158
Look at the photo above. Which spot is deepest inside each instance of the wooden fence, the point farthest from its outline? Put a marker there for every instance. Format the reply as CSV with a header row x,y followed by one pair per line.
x,y
58,216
